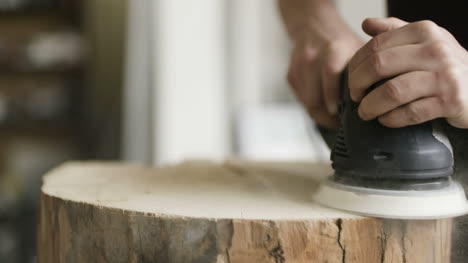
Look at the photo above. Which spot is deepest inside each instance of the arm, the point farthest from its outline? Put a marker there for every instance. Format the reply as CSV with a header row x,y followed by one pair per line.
x,y
312,17
323,45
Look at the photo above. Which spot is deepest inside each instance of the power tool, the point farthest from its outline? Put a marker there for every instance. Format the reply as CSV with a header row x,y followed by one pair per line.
x,y
390,172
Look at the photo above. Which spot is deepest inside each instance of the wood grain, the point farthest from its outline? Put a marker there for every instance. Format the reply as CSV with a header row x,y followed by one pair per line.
x,y
98,212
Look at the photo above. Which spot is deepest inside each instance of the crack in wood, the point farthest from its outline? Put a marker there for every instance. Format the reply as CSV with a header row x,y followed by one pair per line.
x,y
65,224
339,224
277,253
139,239
403,247
228,257
383,245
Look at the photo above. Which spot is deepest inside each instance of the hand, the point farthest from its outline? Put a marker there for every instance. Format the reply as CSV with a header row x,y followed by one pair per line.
x,y
431,70
315,73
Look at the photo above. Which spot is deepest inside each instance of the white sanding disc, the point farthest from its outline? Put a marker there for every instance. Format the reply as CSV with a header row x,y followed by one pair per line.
x,y
427,204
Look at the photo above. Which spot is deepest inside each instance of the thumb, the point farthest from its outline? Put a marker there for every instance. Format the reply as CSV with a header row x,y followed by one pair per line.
x,y
376,26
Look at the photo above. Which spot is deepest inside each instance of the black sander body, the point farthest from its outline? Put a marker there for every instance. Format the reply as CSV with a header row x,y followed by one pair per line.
x,y
390,172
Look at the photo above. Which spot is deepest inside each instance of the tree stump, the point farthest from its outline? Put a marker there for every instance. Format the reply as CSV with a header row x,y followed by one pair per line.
x,y
231,212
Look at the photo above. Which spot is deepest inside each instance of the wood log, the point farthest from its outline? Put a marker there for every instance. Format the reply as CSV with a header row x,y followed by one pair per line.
x,y
231,212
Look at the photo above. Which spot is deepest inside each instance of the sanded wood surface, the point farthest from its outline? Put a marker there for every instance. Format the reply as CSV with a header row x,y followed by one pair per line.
x,y
232,212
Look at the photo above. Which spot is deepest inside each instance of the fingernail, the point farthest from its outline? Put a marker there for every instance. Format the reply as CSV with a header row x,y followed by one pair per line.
x,y
360,113
354,97
332,108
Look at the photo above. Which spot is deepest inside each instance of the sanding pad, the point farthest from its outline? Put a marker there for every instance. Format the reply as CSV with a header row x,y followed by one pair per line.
x,y
397,204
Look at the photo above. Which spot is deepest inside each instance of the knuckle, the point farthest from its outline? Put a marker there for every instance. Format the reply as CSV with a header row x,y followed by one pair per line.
x,y
377,64
375,43
394,19
414,114
428,28
439,50
428,25
332,66
306,55
450,77
393,91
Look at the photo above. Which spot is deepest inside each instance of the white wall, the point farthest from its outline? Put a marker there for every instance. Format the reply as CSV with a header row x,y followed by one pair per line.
x,y
260,54
259,48
190,110
212,61
355,11
138,106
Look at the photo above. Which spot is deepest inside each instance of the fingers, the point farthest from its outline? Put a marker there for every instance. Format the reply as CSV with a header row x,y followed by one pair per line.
x,y
330,82
305,79
323,118
414,33
376,26
459,122
392,62
397,92
313,99
311,95
431,71
416,112
332,67
298,75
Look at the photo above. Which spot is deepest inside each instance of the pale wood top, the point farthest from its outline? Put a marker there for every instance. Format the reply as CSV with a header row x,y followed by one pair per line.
x,y
202,189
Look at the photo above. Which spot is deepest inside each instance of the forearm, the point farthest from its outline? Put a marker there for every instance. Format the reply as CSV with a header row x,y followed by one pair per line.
x,y
316,19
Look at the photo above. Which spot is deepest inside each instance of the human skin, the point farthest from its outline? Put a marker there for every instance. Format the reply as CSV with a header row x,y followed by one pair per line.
x,y
323,45
428,67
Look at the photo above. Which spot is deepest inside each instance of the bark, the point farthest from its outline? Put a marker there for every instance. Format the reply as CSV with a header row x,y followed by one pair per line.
x,y
79,222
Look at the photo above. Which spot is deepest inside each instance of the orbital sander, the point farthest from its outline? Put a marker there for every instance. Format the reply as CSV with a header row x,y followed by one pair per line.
x,y
390,172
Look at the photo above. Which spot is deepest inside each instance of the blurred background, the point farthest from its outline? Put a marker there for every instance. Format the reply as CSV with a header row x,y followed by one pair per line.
x,y
150,81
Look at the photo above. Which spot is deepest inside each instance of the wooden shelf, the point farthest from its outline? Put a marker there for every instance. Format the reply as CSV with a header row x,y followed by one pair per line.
x,y
29,12
7,72
39,127
70,12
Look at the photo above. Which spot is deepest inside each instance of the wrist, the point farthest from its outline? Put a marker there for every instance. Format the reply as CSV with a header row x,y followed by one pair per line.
x,y
319,40
318,22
